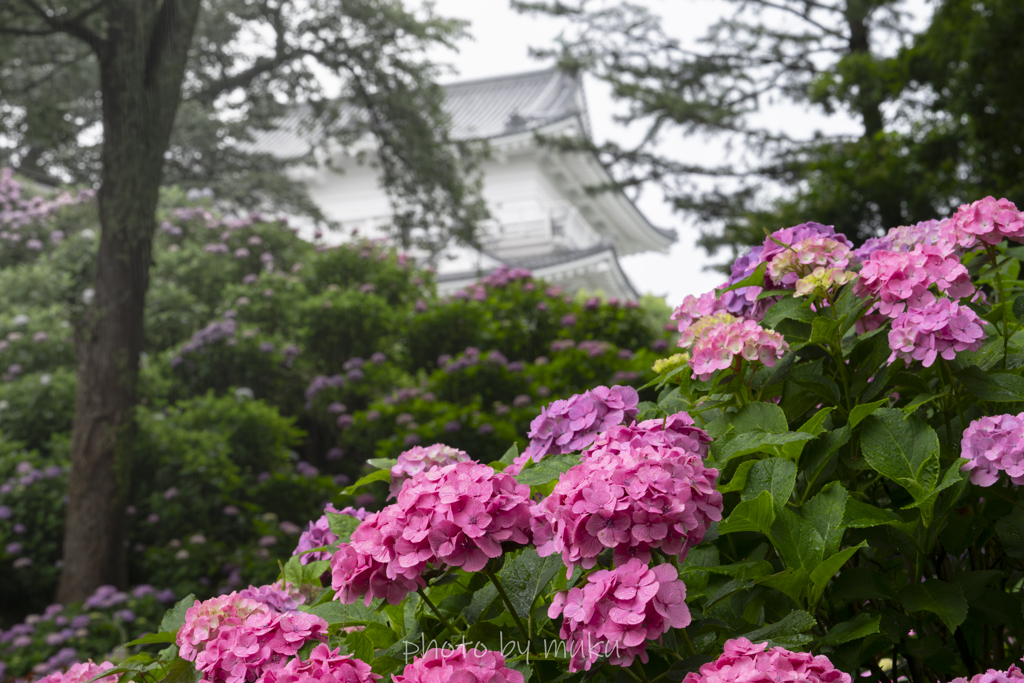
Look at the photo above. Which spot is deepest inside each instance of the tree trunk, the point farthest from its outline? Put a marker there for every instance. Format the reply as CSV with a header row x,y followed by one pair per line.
x,y
142,62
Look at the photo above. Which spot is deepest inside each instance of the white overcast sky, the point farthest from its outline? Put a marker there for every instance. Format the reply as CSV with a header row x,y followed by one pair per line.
x,y
500,45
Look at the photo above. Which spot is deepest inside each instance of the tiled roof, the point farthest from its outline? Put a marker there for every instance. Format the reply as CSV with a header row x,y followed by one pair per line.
x,y
481,109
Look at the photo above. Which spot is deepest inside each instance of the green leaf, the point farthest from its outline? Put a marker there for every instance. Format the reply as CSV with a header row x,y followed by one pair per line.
x,y
376,475
938,597
766,417
861,411
824,572
360,645
181,671
826,512
1018,307
548,469
380,635
796,540
382,463
526,577
342,526
789,308
860,515
300,574
175,617
337,614
755,279
151,638
824,330
814,426
787,632
511,454
1010,530
777,476
920,400
905,450
739,478
756,514
647,410
861,626
997,387
790,583
755,442
822,385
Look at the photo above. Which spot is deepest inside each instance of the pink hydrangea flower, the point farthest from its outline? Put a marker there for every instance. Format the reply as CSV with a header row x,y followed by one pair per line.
x,y
639,487
80,673
618,611
570,425
460,665
282,596
1011,675
992,445
901,280
457,516
940,327
986,221
746,662
420,459
233,639
324,665
789,265
903,238
718,339
694,308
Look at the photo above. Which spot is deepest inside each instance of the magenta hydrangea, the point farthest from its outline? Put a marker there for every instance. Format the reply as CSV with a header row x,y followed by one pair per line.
x,y
1011,675
637,488
456,516
746,662
572,424
901,280
993,445
716,342
420,459
80,673
986,221
461,665
618,610
233,639
940,327
323,665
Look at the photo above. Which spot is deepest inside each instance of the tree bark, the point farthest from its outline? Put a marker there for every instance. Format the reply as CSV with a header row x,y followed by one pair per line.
x,y
142,63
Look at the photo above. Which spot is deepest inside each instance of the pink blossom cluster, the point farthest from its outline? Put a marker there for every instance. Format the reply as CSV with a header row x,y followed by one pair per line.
x,y
901,280
618,611
17,211
323,665
994,444
694,308
420,459
789,265
80,673
506,275
461,665
1011,675
986,221
940,327
743,302
720,338
281,596
457,515
235,639
639,487
572,424
746,662
903,238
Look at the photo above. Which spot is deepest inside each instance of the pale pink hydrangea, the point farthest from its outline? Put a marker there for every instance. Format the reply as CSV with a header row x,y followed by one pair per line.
x,y
940,327
746,662
572,424
324,665
903,238
694,308
789,265
618,611
639,487
1011,675
820,281
420,459
461,665
901,280
457,516
80,673
992,445
986,221
716,341
233,639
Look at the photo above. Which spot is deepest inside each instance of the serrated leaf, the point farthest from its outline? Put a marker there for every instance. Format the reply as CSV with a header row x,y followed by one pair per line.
x,y
997,387
863,410
181,671
783,632
757,416
547,470
151,638
860,515
342,525
861,626
755,442
796,540
756,514
360,645
526,576
905,450
826,512
175,617
337,614
511,454
375,476
943,599
739,478
787,309
382,463
1018,307
755,279
824,572
777,476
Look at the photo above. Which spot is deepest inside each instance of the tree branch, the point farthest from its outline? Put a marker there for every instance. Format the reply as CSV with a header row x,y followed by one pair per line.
x,y
73,27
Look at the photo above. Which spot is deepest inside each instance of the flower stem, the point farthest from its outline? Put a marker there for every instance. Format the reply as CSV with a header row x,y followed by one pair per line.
x,y
689,644
1002,302
489,573
437,613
